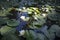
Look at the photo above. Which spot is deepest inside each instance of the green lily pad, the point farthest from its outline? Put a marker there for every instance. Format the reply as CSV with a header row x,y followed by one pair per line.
x,y
40,20
5,29
53,16
13,23
2,21
29,35
57,9
10,37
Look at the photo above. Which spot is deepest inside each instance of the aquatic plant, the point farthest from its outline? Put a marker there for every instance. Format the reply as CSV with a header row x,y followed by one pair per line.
x,y
36,30
52,17
12,23
2,21
5,29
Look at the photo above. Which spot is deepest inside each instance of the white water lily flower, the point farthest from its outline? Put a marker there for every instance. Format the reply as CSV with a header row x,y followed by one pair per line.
x,y
22,32
35,18
24,7
35,13
3,8
34,8
20,9
25,18
29,12
47,10
44,15
27,8
22,17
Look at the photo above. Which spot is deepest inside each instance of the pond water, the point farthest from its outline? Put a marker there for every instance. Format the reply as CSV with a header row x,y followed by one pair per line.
x,y
22,22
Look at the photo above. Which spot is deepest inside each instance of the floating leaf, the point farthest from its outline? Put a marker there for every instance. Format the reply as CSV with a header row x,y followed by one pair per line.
x,y
2,21
12,23
39,21
54,28
10,37
5,29
53,17
30,35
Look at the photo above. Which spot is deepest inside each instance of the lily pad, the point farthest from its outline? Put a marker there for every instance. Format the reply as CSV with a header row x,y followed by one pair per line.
x,y
29,35
10,37
13,23
53,16
5,29
2,21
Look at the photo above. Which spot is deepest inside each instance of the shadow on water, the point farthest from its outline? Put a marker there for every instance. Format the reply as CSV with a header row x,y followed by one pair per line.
x,y
57,38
